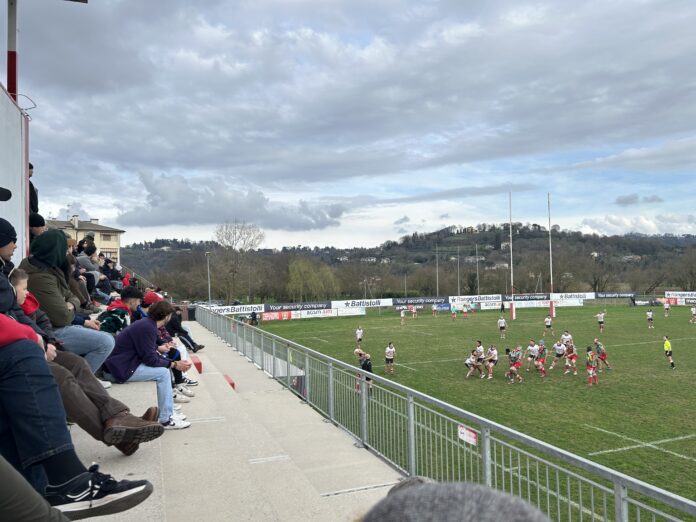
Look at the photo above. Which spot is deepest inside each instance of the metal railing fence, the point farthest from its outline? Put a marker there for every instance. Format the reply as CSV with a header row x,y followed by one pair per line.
x,y
421,435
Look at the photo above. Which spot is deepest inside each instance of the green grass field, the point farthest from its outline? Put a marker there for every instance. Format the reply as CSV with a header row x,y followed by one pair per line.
x,y
641,404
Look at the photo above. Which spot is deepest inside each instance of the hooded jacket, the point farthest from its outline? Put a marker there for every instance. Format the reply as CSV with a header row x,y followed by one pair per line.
x,y
8,300
45,267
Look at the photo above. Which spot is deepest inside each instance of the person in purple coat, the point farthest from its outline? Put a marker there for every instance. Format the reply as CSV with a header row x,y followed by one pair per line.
x,y
135,358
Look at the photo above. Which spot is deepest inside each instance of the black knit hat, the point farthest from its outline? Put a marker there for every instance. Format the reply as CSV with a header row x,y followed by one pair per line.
x,y
36,220
7,233
5,194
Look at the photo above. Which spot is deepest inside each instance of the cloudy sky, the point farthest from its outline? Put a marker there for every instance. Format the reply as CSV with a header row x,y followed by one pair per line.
x,y
350,122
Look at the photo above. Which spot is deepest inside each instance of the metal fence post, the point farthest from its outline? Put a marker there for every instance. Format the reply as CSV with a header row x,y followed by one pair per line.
x,y
331,392
253,346
364,392
486,456
306,377
244,348
412,466
620,502
273,370
287,366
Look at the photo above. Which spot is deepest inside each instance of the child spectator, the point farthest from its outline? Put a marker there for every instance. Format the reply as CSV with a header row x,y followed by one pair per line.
x,y
119,313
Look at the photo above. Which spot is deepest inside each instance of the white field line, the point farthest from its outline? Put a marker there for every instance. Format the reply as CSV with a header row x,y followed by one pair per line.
x,y
274,458
636,446
461,359
361,488
320,339
642,443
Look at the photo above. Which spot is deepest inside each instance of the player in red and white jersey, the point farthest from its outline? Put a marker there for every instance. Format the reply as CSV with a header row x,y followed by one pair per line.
x,y
571,356
515,360
693,315
532,351
591,366
502,327
559,352
491,359
389,354
666,307
479,355
566,337
402,316
601,355
453,311
540,359
649,316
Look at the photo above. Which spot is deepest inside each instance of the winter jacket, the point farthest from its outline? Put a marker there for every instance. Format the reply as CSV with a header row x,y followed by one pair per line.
x,y
8,301
11,331
31,308
135,345
49,286
116,317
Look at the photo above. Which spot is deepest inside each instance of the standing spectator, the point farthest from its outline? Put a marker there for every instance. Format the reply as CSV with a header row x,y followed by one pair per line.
x,y
33,193
37,225
47,266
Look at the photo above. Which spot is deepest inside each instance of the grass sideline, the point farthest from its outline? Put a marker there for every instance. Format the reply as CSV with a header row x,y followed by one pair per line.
x,y
639,420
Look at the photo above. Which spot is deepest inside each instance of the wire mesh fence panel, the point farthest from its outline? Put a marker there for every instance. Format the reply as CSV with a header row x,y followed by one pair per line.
x,y
422,435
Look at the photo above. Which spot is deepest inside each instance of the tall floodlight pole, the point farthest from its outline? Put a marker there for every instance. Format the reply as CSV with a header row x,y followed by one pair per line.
x,y
437,272
459,288
405,293
207,257
512,271
550,249
478,282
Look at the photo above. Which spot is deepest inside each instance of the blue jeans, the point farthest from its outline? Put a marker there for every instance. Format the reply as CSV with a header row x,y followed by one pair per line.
x,y
165,398
94,345
32,419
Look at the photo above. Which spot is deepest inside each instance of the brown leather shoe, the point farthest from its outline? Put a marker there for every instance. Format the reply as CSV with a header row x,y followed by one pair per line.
x,y
124,427
127,448
151,414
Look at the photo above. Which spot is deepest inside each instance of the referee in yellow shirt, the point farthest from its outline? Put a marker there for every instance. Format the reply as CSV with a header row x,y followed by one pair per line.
x,y
668,350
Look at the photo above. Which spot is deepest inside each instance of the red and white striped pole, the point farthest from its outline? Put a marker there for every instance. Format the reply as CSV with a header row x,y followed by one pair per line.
x,y
12,48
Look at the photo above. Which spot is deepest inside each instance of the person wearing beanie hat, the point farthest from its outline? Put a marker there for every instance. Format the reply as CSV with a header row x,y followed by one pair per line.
x,y
151,298
5,194
451,502
37,225
47,267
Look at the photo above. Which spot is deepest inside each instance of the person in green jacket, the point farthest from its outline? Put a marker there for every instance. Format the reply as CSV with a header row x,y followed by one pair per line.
x,y
47,268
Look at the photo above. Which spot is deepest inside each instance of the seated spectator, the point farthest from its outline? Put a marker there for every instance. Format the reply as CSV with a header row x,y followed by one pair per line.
x,y
119,313
38,445
78,286
88,259
175,328
46,268
37,225
412,500
176,352
112,274
86,401
136,358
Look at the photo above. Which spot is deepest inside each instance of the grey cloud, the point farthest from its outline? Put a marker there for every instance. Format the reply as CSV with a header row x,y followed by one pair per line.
x,y
461,192
635,199
444,216
178,200
264,94
402,231
627,200
402,220
73,209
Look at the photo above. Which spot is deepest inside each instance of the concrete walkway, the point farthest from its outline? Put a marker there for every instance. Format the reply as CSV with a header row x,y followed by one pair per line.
x,y
257,453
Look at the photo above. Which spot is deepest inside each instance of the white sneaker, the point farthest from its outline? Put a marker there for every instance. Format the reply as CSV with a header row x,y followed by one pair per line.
x,y
181,398
105,384
185,391
177,407
176,424
178,415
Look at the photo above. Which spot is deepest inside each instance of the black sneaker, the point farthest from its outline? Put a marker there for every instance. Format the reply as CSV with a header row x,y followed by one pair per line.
x,y
92,494
190,382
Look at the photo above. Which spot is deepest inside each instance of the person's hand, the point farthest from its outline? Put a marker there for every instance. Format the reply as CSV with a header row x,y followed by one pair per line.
x,y
93,324
50,352
70,306
183,366
40,341
102,277
83,270
82,278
